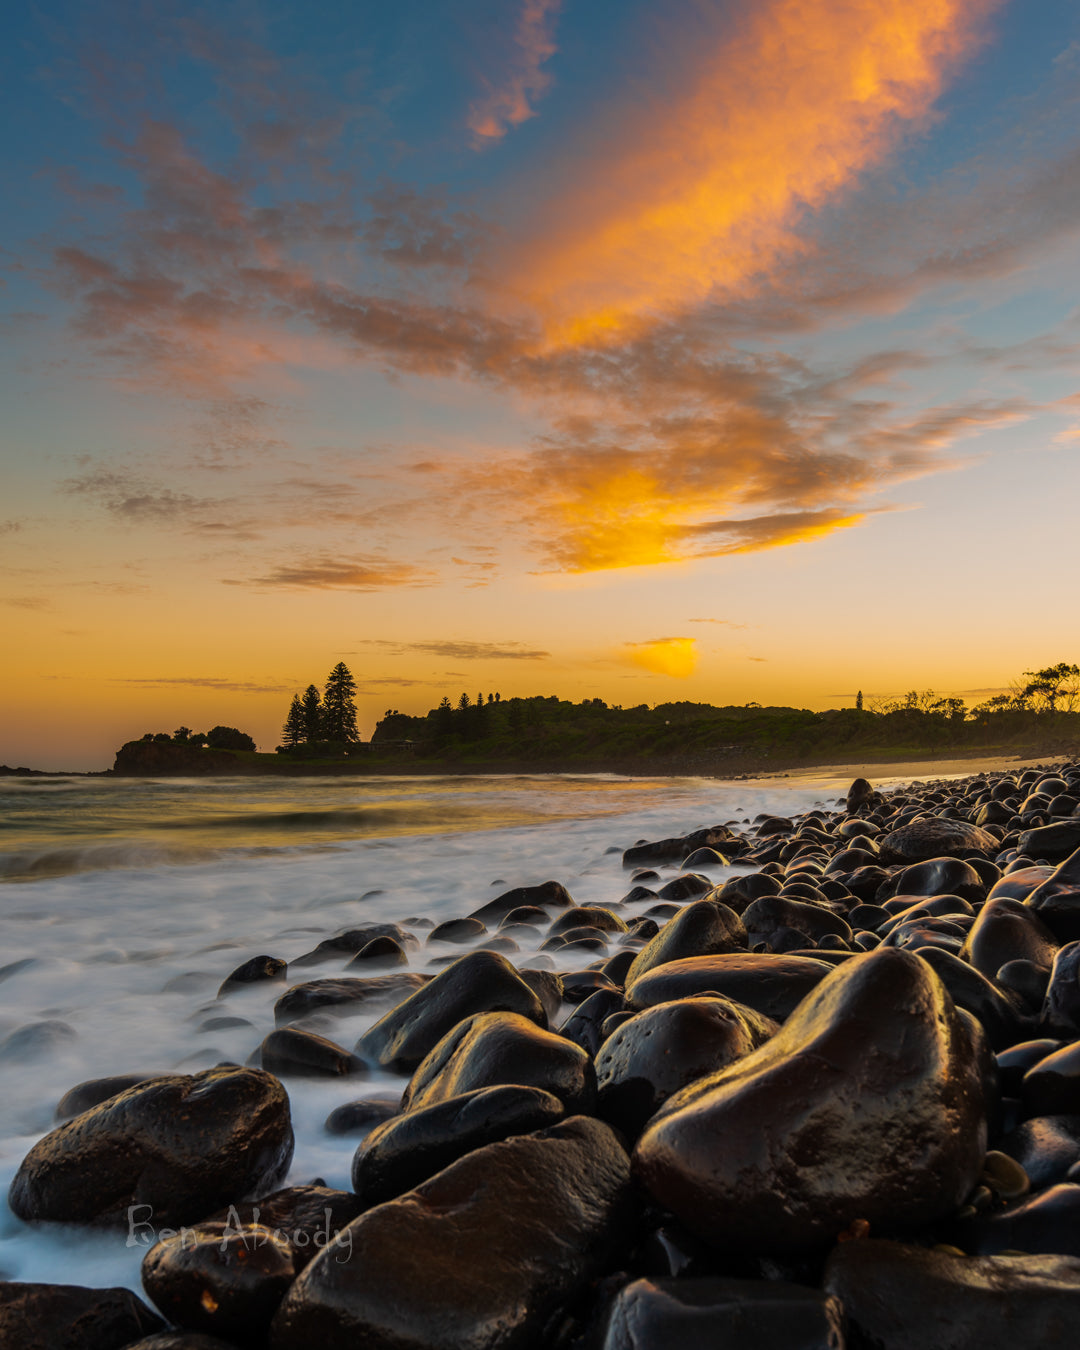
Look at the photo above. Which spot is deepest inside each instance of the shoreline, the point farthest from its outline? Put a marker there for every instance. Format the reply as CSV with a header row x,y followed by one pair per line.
x,y
901,765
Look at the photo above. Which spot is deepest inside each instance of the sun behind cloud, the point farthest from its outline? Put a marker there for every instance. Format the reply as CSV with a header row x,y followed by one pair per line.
x,y
675,656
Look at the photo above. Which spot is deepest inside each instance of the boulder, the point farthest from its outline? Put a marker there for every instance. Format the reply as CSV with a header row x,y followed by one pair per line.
x,y
493,1049
479,982
868,1104
771,985
707,1314
656,1053
897,1297
398,1156
167,1152
932,837
704,928
482,1257
347,994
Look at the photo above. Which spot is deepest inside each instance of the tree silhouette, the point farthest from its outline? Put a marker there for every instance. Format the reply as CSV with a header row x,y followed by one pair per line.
x,y
228,738
339,706
293,731
311,704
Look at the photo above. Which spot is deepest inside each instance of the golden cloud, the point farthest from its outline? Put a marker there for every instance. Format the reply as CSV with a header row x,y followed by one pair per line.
x,y
675,656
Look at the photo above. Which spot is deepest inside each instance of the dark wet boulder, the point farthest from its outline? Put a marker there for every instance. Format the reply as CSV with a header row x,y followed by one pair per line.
x,y
867,1104
660,1051
1008,930
1046,1147
301,1054
408,1150
685,887
1061,1008
771,985
483,1256
859,794
941,876
457,931
1055,841
547,985
69,1317
931,837
585,1024
897,1297
704,928
1018,885
704,857
222,1279
705,1314
1013,1063
354,940
35,1040
381,953
549,894
676,848
177,1146
493,1049
1056,900
1004,1018
1046,1223
1051,1087
94,1091
738,892
773,912
308,1217
578,985
257,970
587,916
363,1114
347,994
477,983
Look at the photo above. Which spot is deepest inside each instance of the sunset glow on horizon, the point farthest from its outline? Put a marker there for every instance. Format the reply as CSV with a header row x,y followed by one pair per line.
x,y
722,354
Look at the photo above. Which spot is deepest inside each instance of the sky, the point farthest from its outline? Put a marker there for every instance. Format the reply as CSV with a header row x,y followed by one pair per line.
x,y
695,351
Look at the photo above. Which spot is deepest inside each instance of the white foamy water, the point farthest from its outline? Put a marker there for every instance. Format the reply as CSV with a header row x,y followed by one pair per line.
x,y
131,901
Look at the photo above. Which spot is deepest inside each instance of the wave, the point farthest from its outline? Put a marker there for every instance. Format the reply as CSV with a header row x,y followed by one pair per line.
x,y
341,818
37,864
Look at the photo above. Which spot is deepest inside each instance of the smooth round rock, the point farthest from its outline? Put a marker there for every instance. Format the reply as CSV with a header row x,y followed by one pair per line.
x,y
897,1297
707,1314
661,1050
704,928
868,1104
933,837
301,1054
493,1049
409,1149
178,1146
363,1114
222,1279
94,1091
474,983
70,1317
480,1257
771,985
347,994
1046,1147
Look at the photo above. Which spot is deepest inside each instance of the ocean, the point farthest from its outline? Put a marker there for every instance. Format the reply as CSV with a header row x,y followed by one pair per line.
x,y
125,902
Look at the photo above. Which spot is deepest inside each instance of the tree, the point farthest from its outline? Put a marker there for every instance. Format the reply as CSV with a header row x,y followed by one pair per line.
x,y
444,719
311,705
1046,687
858,701
228,738
293,731
339,706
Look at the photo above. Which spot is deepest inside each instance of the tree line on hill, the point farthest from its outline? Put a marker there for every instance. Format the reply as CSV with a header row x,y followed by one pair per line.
x,y
323,722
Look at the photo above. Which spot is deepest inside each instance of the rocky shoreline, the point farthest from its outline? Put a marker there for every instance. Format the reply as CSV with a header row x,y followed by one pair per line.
x,y
833,1101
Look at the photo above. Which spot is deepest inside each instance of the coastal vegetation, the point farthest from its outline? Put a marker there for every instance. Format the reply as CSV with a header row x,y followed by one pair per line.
x,y
1039,714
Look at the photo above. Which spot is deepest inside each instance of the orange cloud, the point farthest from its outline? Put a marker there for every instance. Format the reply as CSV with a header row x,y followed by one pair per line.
x,y
510,103
675,656
702,195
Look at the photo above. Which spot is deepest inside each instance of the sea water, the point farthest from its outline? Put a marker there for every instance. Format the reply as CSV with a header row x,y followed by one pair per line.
x,y
125,902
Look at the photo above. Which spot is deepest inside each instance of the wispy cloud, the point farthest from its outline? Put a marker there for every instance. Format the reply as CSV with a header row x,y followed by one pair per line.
x,y
341,574
509,99
217,683
464,651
